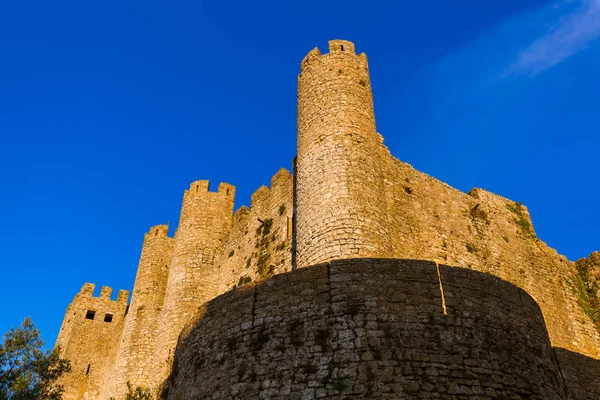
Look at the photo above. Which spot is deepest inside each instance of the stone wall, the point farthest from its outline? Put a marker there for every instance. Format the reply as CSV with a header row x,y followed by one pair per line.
x,y
259,243
133,362
580,374
205,221
368,328
485,232
89,338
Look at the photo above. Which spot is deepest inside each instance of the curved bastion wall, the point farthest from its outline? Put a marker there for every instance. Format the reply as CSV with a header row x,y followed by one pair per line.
x,y
368,328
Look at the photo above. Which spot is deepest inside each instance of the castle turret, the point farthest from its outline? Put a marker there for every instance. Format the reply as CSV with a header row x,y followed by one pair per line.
x,y
89,337
137,346
205,220
340,189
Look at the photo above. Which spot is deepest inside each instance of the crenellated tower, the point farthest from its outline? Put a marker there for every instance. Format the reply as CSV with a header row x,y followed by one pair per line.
x,y
205,220
89,338
138,342
340,199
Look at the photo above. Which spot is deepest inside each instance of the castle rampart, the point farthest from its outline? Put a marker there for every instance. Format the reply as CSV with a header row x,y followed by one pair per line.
x,y
259,244
133,362
368,328
203,226
89,337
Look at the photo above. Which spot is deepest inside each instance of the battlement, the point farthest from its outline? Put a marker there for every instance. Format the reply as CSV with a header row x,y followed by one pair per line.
x,y
280,178
337,48
158,230
259,196
202,187
87,291
106,292
261,199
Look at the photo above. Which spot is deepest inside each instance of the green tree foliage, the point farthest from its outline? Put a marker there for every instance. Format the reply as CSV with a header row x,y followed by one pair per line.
x,y
139,393
26,371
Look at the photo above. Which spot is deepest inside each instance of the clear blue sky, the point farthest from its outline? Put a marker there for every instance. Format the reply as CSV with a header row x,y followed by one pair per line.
x,y
108,110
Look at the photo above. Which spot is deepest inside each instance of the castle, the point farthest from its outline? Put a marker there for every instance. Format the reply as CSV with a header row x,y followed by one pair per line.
x,y
336,283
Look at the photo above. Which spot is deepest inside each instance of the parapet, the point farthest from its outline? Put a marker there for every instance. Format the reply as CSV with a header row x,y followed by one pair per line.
x,y
259,197
337,47
314,53
203,186
158,230
123,296
281,177
87,291
105,292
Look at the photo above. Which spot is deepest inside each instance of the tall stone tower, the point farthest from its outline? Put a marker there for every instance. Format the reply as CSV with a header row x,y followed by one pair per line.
x,y
89,338
205,220
340,200
133,362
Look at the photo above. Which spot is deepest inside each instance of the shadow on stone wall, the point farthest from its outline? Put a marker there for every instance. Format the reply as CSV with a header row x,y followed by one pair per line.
x,y
581,374
374,328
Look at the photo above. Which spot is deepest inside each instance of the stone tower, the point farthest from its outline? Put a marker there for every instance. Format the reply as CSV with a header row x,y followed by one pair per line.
x,y
138,342
89,337
205,220
340,199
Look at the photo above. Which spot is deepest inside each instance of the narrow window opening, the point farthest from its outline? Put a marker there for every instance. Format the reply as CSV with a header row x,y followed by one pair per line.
x,y
342,46
156,233
90,314
87,372
227,191
108,317
197,186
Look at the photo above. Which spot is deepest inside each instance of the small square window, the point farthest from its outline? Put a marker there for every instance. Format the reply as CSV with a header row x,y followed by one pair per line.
x,y
108,317
90,314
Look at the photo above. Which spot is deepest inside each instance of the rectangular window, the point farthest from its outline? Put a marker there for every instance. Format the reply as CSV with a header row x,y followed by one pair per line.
x,y
90,314
108,317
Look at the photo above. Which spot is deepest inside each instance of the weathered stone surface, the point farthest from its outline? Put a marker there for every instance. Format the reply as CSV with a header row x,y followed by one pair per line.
x,y
133,362
337,330
581,375
89,337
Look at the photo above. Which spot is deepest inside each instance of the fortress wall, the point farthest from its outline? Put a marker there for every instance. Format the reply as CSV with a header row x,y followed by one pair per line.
x,y
205,221
580,374
251,251
430,220
368,328
137,346
90,344
247,251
